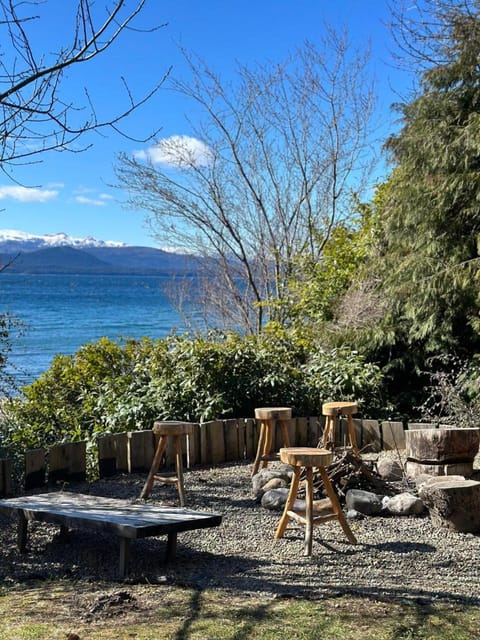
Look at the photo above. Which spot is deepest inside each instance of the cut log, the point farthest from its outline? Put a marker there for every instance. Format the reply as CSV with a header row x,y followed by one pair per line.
x,y
453,504
442,446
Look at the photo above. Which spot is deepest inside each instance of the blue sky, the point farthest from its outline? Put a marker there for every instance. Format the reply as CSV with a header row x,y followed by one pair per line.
x,y
72,193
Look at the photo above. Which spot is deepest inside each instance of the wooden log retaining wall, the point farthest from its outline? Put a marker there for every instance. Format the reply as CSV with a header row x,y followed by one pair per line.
x,y
211,443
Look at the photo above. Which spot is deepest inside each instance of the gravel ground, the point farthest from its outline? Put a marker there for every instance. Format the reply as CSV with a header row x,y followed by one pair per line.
x,y
396,558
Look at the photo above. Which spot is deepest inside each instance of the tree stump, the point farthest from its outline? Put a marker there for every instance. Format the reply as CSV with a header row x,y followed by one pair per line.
x,y
441,451
453,504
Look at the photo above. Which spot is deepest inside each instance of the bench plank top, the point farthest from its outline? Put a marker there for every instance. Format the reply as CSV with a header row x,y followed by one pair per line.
x,y
126,519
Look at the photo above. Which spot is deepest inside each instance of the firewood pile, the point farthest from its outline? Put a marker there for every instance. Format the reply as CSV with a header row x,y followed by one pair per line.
x,y
352,472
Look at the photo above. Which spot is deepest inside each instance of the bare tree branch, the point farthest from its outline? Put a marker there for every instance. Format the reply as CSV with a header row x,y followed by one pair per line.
x,y
283,147
34,116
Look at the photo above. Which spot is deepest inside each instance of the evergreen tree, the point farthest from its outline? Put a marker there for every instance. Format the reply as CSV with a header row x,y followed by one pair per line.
x,y
431,208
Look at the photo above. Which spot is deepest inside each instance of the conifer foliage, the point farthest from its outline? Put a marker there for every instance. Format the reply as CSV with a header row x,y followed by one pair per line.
x,y
431,212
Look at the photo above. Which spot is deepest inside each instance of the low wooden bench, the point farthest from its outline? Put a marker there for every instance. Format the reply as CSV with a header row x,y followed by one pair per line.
x,y
123,518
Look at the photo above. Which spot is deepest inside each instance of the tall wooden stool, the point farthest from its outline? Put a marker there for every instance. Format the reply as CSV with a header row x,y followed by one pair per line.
x,y
332,411
163,431
307,458
268,416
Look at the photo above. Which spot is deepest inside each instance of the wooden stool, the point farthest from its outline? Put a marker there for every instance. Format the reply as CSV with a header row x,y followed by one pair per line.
x,y
268,416
308,458
332,410
165,430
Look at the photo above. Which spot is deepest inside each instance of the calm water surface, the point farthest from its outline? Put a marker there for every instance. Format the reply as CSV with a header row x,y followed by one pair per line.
x,y
63,312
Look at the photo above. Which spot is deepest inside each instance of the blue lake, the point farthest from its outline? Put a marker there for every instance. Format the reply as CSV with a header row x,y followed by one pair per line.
x,y
60,313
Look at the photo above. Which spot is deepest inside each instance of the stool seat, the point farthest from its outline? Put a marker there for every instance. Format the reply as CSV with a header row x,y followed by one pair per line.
x,y
273,413
339,408
163,430
172,428
307,458
268,417
332,411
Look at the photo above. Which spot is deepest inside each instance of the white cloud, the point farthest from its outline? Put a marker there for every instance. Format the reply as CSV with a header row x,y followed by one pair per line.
x,y
26,194
178,151
94,202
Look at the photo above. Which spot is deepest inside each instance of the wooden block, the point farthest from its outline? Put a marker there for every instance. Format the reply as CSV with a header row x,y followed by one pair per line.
x,y
393,436
438,446
193,447
421,425
5,478
231,438
112,454
301,432
67,462
214,442
371,436
141,448
315,430
35,468
242,445
251,438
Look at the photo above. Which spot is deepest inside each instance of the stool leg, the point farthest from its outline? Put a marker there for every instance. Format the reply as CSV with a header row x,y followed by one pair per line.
x,y
292,495
329,429
352,435
147,487
261,438
179,470
285,436
308,511
267,447
336,505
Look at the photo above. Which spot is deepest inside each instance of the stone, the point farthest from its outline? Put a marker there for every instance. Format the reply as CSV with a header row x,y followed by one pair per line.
x,y
453,504
275,500
365,502
274,483
404,504
390,469
264,476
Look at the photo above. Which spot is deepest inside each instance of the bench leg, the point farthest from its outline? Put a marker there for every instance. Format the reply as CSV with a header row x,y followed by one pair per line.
x,y
171,547
124,557
22,531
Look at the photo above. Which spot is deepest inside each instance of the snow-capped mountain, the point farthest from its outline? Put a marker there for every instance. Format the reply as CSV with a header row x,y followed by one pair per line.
x,y
22,252
12,240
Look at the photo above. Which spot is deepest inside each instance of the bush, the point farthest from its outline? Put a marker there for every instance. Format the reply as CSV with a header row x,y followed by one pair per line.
x,y
111,387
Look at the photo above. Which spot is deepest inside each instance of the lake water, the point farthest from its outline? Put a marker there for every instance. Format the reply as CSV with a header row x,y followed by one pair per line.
x,y
63,312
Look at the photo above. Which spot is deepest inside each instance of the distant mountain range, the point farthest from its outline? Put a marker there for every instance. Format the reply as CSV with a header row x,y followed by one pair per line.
x,y
60,253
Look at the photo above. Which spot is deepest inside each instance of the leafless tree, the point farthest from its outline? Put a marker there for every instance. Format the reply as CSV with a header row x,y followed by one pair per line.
x,y
263,178
35,115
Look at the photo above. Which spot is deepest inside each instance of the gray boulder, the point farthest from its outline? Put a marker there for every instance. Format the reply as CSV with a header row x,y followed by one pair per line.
x,y
404,504
264,476
366,502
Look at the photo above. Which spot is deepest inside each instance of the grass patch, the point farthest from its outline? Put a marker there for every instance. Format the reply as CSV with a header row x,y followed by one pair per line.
x,y
94,611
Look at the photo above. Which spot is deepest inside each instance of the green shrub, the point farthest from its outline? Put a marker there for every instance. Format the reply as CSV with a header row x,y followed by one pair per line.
x,y
111,387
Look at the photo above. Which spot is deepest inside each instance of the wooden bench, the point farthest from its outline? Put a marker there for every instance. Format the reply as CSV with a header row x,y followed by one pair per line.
x,y
123,518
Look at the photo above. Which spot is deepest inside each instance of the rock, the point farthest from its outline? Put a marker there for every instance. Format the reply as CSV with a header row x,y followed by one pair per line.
x,y
404,504
453,504
275,499
354,515
274,483
264,476
365,502
390,469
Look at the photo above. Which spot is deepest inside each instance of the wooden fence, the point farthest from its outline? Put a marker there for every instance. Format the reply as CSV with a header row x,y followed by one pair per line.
x,y
211,443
